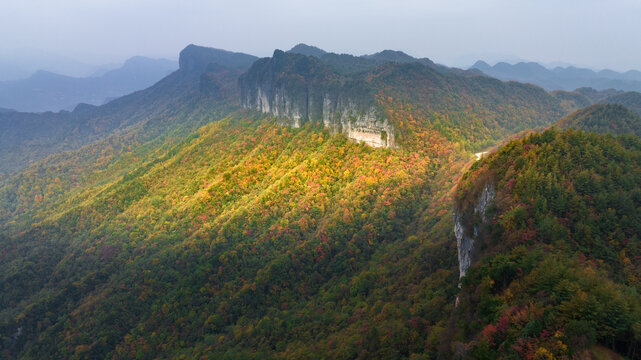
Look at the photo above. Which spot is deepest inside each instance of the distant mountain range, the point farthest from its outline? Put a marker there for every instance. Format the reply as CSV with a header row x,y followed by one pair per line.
x,y
27,137
17,64
562,78
47,91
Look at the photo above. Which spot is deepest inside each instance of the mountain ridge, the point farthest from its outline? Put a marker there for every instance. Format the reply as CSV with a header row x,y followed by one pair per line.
x,y
28,137
194,59
304,89
350,63
562,78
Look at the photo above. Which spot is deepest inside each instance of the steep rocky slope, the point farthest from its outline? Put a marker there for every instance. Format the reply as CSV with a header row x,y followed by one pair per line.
x,y
302,89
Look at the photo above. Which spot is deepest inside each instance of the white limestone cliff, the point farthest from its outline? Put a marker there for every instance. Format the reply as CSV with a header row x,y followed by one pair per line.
x,y
466,239
339,115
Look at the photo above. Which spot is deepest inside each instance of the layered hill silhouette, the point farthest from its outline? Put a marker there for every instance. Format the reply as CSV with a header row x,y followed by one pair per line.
x,y
28,137
631,100
583,97
559,78
47,91
296,207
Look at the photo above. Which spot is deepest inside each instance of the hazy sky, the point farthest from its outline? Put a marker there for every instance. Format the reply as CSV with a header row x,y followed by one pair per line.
x,y
592,33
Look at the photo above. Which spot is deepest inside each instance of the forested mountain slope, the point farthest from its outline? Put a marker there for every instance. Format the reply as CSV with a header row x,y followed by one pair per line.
x,y
245,225
554,250
631,100
614,119
250,237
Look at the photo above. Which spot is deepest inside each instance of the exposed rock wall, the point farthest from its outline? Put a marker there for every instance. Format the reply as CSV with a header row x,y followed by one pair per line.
x,y
466,237
299,89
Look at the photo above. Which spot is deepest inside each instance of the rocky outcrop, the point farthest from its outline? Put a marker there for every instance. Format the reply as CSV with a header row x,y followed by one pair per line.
x,y
299,89
467,234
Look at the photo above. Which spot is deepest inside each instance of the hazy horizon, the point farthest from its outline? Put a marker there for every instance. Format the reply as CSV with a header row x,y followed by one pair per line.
x,y
454,33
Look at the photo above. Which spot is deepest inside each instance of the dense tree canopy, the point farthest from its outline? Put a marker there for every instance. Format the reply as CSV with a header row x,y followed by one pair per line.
x,y
205,231
558,268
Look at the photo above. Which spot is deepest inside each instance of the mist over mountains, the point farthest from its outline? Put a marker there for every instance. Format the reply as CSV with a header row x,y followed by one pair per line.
x,y
17,64
346,84
50,91
47,91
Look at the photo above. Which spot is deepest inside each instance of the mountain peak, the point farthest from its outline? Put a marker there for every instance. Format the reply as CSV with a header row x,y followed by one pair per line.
x,y
307,50
279,53
194,58
481,65
391,55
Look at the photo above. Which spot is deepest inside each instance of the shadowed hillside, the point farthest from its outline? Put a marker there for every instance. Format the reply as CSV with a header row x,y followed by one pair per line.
x,y
27,137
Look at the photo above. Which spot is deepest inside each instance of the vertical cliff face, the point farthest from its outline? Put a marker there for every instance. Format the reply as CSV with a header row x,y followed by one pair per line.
x,y
467,230
300,89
